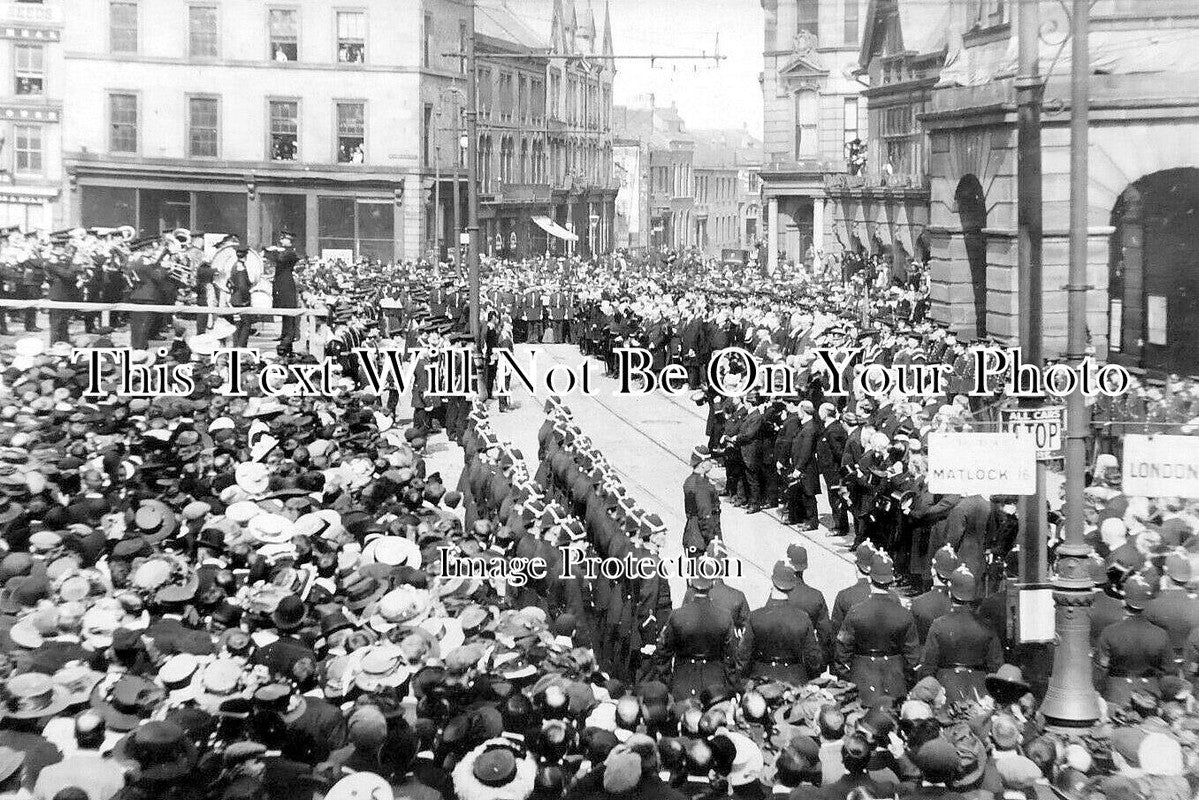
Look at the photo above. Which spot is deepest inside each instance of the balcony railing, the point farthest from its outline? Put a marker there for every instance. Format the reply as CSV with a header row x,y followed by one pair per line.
x,y
30,13
874,181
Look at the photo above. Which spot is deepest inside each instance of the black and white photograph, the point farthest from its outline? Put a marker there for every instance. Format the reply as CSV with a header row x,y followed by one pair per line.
x,y
599,400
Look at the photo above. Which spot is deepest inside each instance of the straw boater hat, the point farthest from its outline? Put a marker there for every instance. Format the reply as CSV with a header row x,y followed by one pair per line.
x,y
495,770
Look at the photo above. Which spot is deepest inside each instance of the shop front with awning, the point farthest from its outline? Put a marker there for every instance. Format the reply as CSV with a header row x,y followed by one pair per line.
x,y
554,229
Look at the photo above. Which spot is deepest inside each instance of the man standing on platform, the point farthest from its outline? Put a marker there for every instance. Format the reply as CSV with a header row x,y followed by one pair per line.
x,y
283,287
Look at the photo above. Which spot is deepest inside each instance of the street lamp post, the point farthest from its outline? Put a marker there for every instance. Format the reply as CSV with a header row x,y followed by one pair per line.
x,y
1071,701
460,143
472,169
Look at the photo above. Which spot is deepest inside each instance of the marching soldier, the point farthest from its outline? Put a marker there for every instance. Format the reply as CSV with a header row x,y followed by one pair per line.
x,y
877,648
1133,653
935,603
960,651
701,504
778,644
698,644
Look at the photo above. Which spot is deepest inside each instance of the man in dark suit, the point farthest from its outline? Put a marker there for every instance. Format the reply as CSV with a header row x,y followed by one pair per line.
x,y
966,531
752,442
283,287
697,647
877,648
960,651
805,475
693,345
830,449
779,644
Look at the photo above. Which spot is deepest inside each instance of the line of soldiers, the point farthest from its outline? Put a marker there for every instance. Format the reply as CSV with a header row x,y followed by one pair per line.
x,y
574,501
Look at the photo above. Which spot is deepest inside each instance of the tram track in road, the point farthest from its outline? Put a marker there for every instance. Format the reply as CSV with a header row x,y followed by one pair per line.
x,y
773,515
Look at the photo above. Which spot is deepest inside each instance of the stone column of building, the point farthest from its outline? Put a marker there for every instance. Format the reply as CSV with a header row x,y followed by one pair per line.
x,y
818,224
772,240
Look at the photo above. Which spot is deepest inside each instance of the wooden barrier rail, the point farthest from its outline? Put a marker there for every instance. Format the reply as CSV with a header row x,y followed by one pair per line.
x,y
216,311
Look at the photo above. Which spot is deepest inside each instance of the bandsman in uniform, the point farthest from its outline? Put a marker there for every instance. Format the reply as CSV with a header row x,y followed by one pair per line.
x,y
877,648
1132,654
701,504
960,651
935,602
778,644
698,645
33,275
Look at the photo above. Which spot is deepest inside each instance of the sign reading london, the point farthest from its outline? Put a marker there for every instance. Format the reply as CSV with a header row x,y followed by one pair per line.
x,y
1161,466
981,463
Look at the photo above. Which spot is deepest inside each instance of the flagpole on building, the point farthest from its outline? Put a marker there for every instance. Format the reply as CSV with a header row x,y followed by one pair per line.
x,y
1071,701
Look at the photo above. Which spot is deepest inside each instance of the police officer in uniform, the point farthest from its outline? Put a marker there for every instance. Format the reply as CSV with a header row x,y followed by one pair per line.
x,y
855,593
778,644
935,602
808,598
698,645
1133,653
877,648
1175,609
960,650
701,504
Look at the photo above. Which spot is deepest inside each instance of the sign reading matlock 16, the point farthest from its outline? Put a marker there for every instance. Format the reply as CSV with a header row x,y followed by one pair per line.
x,y
1161,466
981,463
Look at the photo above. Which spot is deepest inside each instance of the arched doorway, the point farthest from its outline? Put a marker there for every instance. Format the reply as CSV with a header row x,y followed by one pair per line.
x,y
1153,280
972,215
972,211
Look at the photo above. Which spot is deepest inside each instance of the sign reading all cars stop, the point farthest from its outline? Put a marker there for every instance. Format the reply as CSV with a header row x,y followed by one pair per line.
x,y
1046,426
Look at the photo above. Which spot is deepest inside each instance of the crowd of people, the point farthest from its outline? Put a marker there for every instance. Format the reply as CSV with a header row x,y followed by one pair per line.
x,y
249,597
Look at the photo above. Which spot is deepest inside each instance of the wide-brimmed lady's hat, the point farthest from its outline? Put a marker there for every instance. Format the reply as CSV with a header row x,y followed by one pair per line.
x,y
33,695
